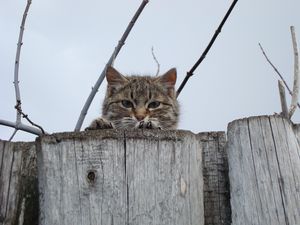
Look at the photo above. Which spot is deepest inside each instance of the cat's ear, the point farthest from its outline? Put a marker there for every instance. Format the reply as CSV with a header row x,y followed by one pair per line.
x,y
169,78
168,81
114,78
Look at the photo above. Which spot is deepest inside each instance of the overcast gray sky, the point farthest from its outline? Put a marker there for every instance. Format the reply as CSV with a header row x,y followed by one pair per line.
x,y
68,42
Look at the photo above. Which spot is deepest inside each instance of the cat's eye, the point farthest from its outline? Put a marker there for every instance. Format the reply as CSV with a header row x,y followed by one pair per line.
x,y
154,105
127,104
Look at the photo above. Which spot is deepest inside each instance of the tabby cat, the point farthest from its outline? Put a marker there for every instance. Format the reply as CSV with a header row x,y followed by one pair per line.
x,y
139,102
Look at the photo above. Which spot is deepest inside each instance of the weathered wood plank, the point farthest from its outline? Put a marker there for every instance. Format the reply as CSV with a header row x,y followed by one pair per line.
x,y
270,159
121,177
296,129
155,177
82,179
166,181
18,184
216,182
264,171
287,150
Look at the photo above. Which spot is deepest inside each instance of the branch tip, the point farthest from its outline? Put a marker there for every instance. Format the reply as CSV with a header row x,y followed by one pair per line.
x,y
295,93
202,57
110,61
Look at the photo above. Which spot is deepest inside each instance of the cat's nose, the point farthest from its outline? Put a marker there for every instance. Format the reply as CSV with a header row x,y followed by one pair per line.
x,y
139,117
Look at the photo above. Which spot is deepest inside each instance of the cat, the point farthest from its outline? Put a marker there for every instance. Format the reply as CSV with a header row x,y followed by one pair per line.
x,y
139,102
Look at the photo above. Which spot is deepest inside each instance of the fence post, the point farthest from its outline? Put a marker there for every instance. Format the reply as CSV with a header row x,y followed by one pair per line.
x,y
264,171
155,177
19,202
215,178
121,177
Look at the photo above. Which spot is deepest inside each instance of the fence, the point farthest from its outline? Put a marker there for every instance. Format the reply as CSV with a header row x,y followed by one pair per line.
x,y
251,175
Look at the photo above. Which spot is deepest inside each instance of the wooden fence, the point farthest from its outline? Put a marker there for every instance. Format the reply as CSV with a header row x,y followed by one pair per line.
x,y
251,175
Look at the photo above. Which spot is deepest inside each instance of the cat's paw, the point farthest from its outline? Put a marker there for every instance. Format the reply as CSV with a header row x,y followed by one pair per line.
x,y
100,123
148,125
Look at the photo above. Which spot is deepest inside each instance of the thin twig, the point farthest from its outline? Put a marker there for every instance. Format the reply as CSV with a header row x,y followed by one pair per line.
x,y
112,58
155,59
25,116
18,125
296,74
17,63
13,135
277,72
218,31
282,99
17,60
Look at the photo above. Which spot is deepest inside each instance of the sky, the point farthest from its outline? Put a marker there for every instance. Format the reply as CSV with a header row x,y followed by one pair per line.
x,y
67,43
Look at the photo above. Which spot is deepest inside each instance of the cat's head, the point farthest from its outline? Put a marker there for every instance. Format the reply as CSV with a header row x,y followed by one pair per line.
x,y
132,100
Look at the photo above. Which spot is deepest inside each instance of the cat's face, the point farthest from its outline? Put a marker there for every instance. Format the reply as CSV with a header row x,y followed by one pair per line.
x,y
134,101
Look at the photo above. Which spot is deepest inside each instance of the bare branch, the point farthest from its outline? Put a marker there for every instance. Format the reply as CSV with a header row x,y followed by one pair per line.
x,y
110,61
296,74
18,124
283,99
218,31
25,116
21,126
277,72
155,59
13,135
17,61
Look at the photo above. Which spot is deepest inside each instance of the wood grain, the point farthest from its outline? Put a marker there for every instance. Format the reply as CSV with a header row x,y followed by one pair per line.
x,y
121,177
18,184
264,171
155,177
216,182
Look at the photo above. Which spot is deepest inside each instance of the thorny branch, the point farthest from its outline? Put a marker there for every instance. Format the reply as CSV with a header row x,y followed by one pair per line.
x,y
155,59
277,72
18,124
218,31
110,61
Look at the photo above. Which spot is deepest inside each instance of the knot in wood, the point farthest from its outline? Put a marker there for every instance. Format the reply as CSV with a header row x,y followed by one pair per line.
x,y
91,176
